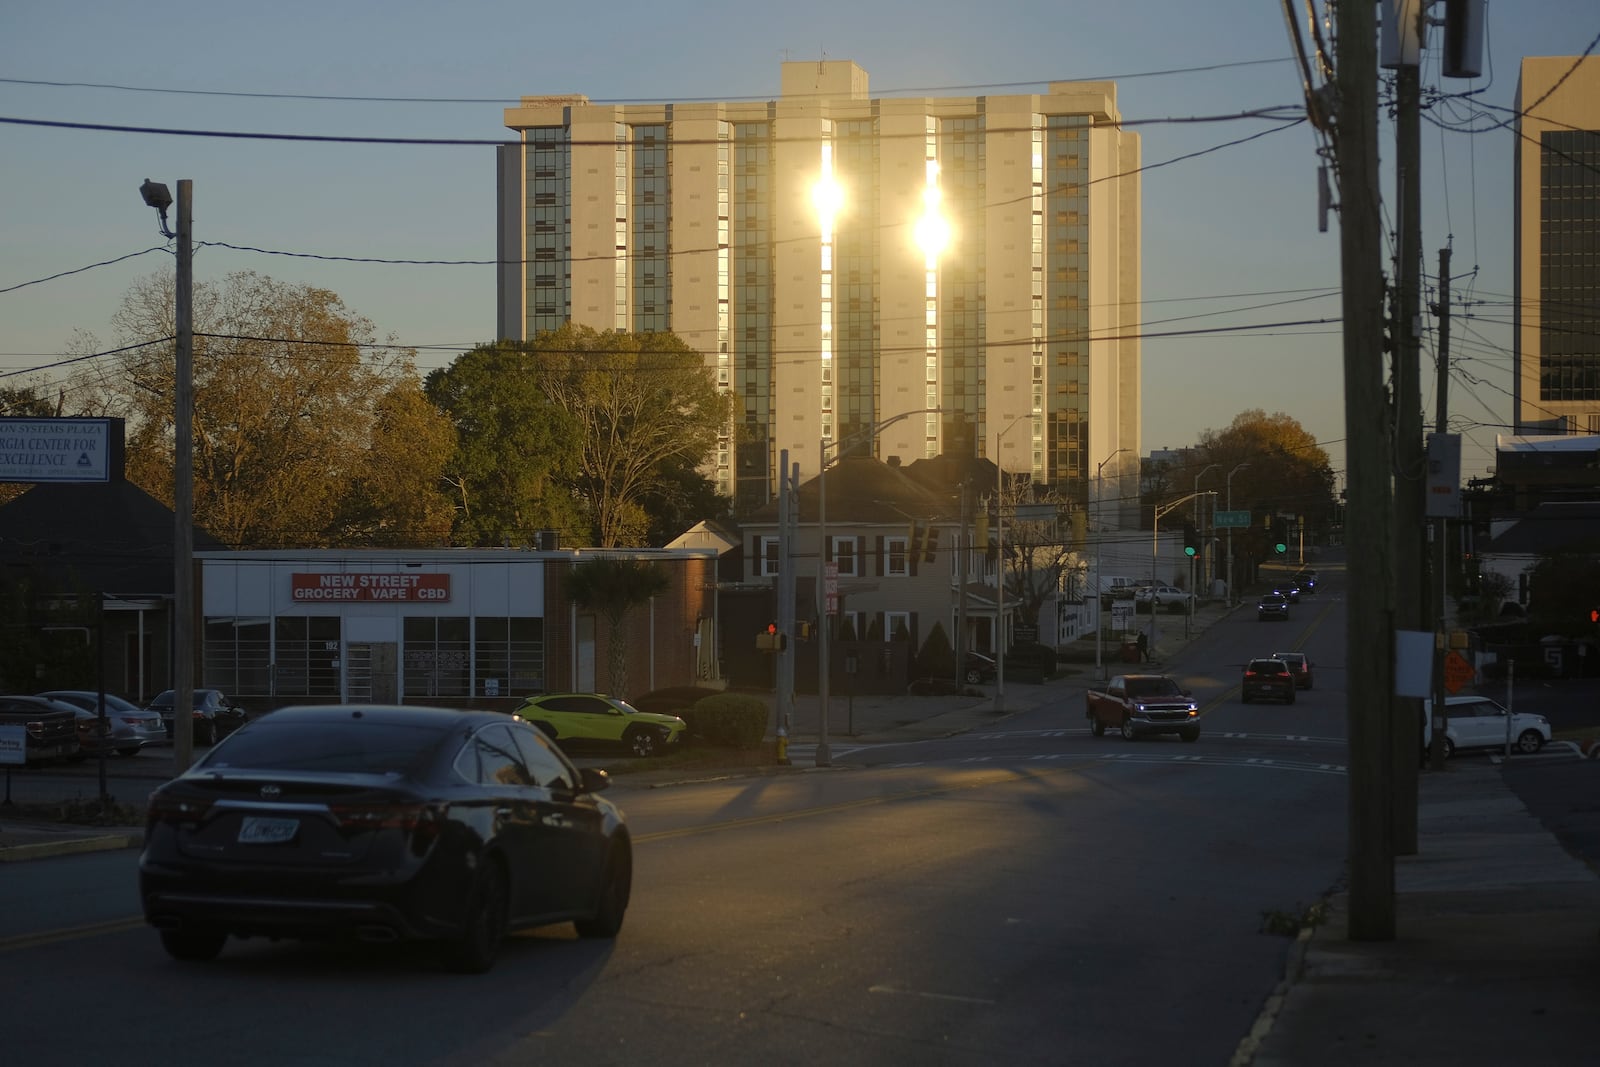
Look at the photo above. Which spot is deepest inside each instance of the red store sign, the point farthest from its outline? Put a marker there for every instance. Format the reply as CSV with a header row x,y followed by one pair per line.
x,y
411,588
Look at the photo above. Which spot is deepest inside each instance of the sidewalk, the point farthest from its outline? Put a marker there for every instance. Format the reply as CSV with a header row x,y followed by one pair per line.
x,y
1496,955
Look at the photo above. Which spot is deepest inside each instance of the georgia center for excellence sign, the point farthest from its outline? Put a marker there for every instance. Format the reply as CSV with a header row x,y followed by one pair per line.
x,y
60,450
339,587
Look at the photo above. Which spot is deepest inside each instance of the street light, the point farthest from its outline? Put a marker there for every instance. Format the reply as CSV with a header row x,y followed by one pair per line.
x,y
156,195
824,753
1232,600
1000,569
1099,623
1200,512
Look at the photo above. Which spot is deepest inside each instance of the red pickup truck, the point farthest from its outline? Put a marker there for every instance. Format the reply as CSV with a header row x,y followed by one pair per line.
x,y
1140,704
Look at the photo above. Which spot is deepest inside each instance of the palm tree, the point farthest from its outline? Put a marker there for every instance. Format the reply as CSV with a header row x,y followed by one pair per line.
x,y
612,588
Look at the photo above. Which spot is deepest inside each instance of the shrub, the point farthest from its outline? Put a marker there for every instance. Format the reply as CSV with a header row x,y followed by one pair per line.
x,y
735,719
1035,657
937,659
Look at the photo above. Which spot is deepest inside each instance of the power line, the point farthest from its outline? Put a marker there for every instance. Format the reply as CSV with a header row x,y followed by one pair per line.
x,y
80,270
941,90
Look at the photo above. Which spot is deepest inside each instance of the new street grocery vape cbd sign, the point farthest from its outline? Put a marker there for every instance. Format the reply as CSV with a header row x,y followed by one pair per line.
x,y
60,450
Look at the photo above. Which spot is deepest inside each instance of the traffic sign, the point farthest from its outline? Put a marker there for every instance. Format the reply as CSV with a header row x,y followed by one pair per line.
x,y
1457,672
1238,520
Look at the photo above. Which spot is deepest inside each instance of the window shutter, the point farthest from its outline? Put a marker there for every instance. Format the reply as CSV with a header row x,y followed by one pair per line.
x,y
880,563
757,563
827,549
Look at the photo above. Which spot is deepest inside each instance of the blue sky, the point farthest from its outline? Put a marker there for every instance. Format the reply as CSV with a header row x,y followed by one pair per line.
x,y
1230,237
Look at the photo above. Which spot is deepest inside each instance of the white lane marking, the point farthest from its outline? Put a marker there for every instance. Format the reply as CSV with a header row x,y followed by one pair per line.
x,y
927,996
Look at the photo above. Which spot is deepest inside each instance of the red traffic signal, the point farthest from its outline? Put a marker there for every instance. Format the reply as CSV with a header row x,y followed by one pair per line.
x,y
1594,614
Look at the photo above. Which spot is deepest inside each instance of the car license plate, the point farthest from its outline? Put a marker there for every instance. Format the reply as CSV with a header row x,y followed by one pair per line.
x,y
260,830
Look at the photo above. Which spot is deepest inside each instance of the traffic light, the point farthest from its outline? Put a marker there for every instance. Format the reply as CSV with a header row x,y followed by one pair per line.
x,y
1594,614
770,640
1191,540
1280,535
930,543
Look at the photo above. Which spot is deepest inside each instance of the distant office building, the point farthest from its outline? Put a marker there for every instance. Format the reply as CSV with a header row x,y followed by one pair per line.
x,y
842,260
1557,246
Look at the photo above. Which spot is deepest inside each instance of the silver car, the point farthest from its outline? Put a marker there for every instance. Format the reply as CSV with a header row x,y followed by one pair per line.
x,y
129,727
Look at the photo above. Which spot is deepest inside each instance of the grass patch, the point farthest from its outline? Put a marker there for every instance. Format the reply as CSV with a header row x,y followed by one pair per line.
x,y
82,811
1289,924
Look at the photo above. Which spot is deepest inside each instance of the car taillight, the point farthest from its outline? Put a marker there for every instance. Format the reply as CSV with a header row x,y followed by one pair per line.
x,y
421,821
175,810
1249,674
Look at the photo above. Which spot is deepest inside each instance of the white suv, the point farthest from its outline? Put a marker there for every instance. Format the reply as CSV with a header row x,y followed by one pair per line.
x,y
1478,722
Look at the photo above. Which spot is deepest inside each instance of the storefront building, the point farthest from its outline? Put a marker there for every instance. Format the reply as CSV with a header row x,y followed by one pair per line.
x,y
452,627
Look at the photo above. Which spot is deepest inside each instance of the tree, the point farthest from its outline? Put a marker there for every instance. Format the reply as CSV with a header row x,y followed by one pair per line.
x,y
515,455
292,391
1040,555
680,497
640,402
1288,471
612,588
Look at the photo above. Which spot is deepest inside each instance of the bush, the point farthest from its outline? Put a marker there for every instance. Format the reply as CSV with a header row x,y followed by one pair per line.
x,y
672,700
937,659
1031,657
734,719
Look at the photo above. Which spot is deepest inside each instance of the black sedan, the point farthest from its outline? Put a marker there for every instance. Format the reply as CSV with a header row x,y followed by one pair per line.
x,y
215,716
382,824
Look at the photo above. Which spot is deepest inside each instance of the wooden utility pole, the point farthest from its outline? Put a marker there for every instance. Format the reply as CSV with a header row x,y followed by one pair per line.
x,y
1410,461
1370,626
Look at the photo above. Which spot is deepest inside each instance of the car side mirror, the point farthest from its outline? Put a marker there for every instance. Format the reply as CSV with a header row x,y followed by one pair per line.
x,y
594,780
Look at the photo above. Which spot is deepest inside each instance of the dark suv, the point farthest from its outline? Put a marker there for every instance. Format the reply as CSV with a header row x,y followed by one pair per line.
x,y
1269,678
1272,606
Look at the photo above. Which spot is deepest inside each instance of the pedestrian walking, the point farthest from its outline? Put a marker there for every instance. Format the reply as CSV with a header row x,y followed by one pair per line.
x,y
1144,647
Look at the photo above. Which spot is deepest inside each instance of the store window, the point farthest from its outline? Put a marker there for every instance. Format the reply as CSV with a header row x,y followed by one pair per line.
x,y
306,663
238,655
436,657
508,656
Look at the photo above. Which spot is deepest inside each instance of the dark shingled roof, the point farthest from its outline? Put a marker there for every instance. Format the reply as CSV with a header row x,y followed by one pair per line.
x,y
863,490
109,537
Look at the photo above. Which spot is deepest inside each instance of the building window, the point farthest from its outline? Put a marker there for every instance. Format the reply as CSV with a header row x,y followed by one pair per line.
x,y
897,625
767,565
238,656
436,657
896,563
844,554
307,662
508,656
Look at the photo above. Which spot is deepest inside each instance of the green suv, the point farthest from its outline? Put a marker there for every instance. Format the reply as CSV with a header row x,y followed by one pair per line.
x,y
575,719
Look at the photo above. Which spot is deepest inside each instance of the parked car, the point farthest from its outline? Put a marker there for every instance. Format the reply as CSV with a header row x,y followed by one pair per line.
x,y
575,720
1163,596
128,729
215,716
383,823
50,728
1477,722
979,669
1299,665
1272,606
1267,678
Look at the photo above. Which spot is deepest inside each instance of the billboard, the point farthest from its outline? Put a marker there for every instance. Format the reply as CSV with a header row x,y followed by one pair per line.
x,y
60,450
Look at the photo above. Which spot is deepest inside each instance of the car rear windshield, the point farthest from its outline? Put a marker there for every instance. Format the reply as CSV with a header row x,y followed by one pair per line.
x,y
340,747
1152,687
1268,666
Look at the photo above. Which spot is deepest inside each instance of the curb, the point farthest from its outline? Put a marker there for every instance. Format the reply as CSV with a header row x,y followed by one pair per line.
x,y
69,846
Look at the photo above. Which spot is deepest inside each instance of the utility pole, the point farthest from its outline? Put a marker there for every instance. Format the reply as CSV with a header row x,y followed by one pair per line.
x,y
1441,525
1370,626
784,706
183,491
1410,527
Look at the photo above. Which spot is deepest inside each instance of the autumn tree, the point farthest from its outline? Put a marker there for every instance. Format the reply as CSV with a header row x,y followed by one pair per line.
x,y
24,401
1288,471
297,405
641,403
515,457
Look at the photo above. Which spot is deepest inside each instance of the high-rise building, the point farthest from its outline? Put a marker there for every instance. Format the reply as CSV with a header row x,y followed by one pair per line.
x,y
1557,246
969,263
